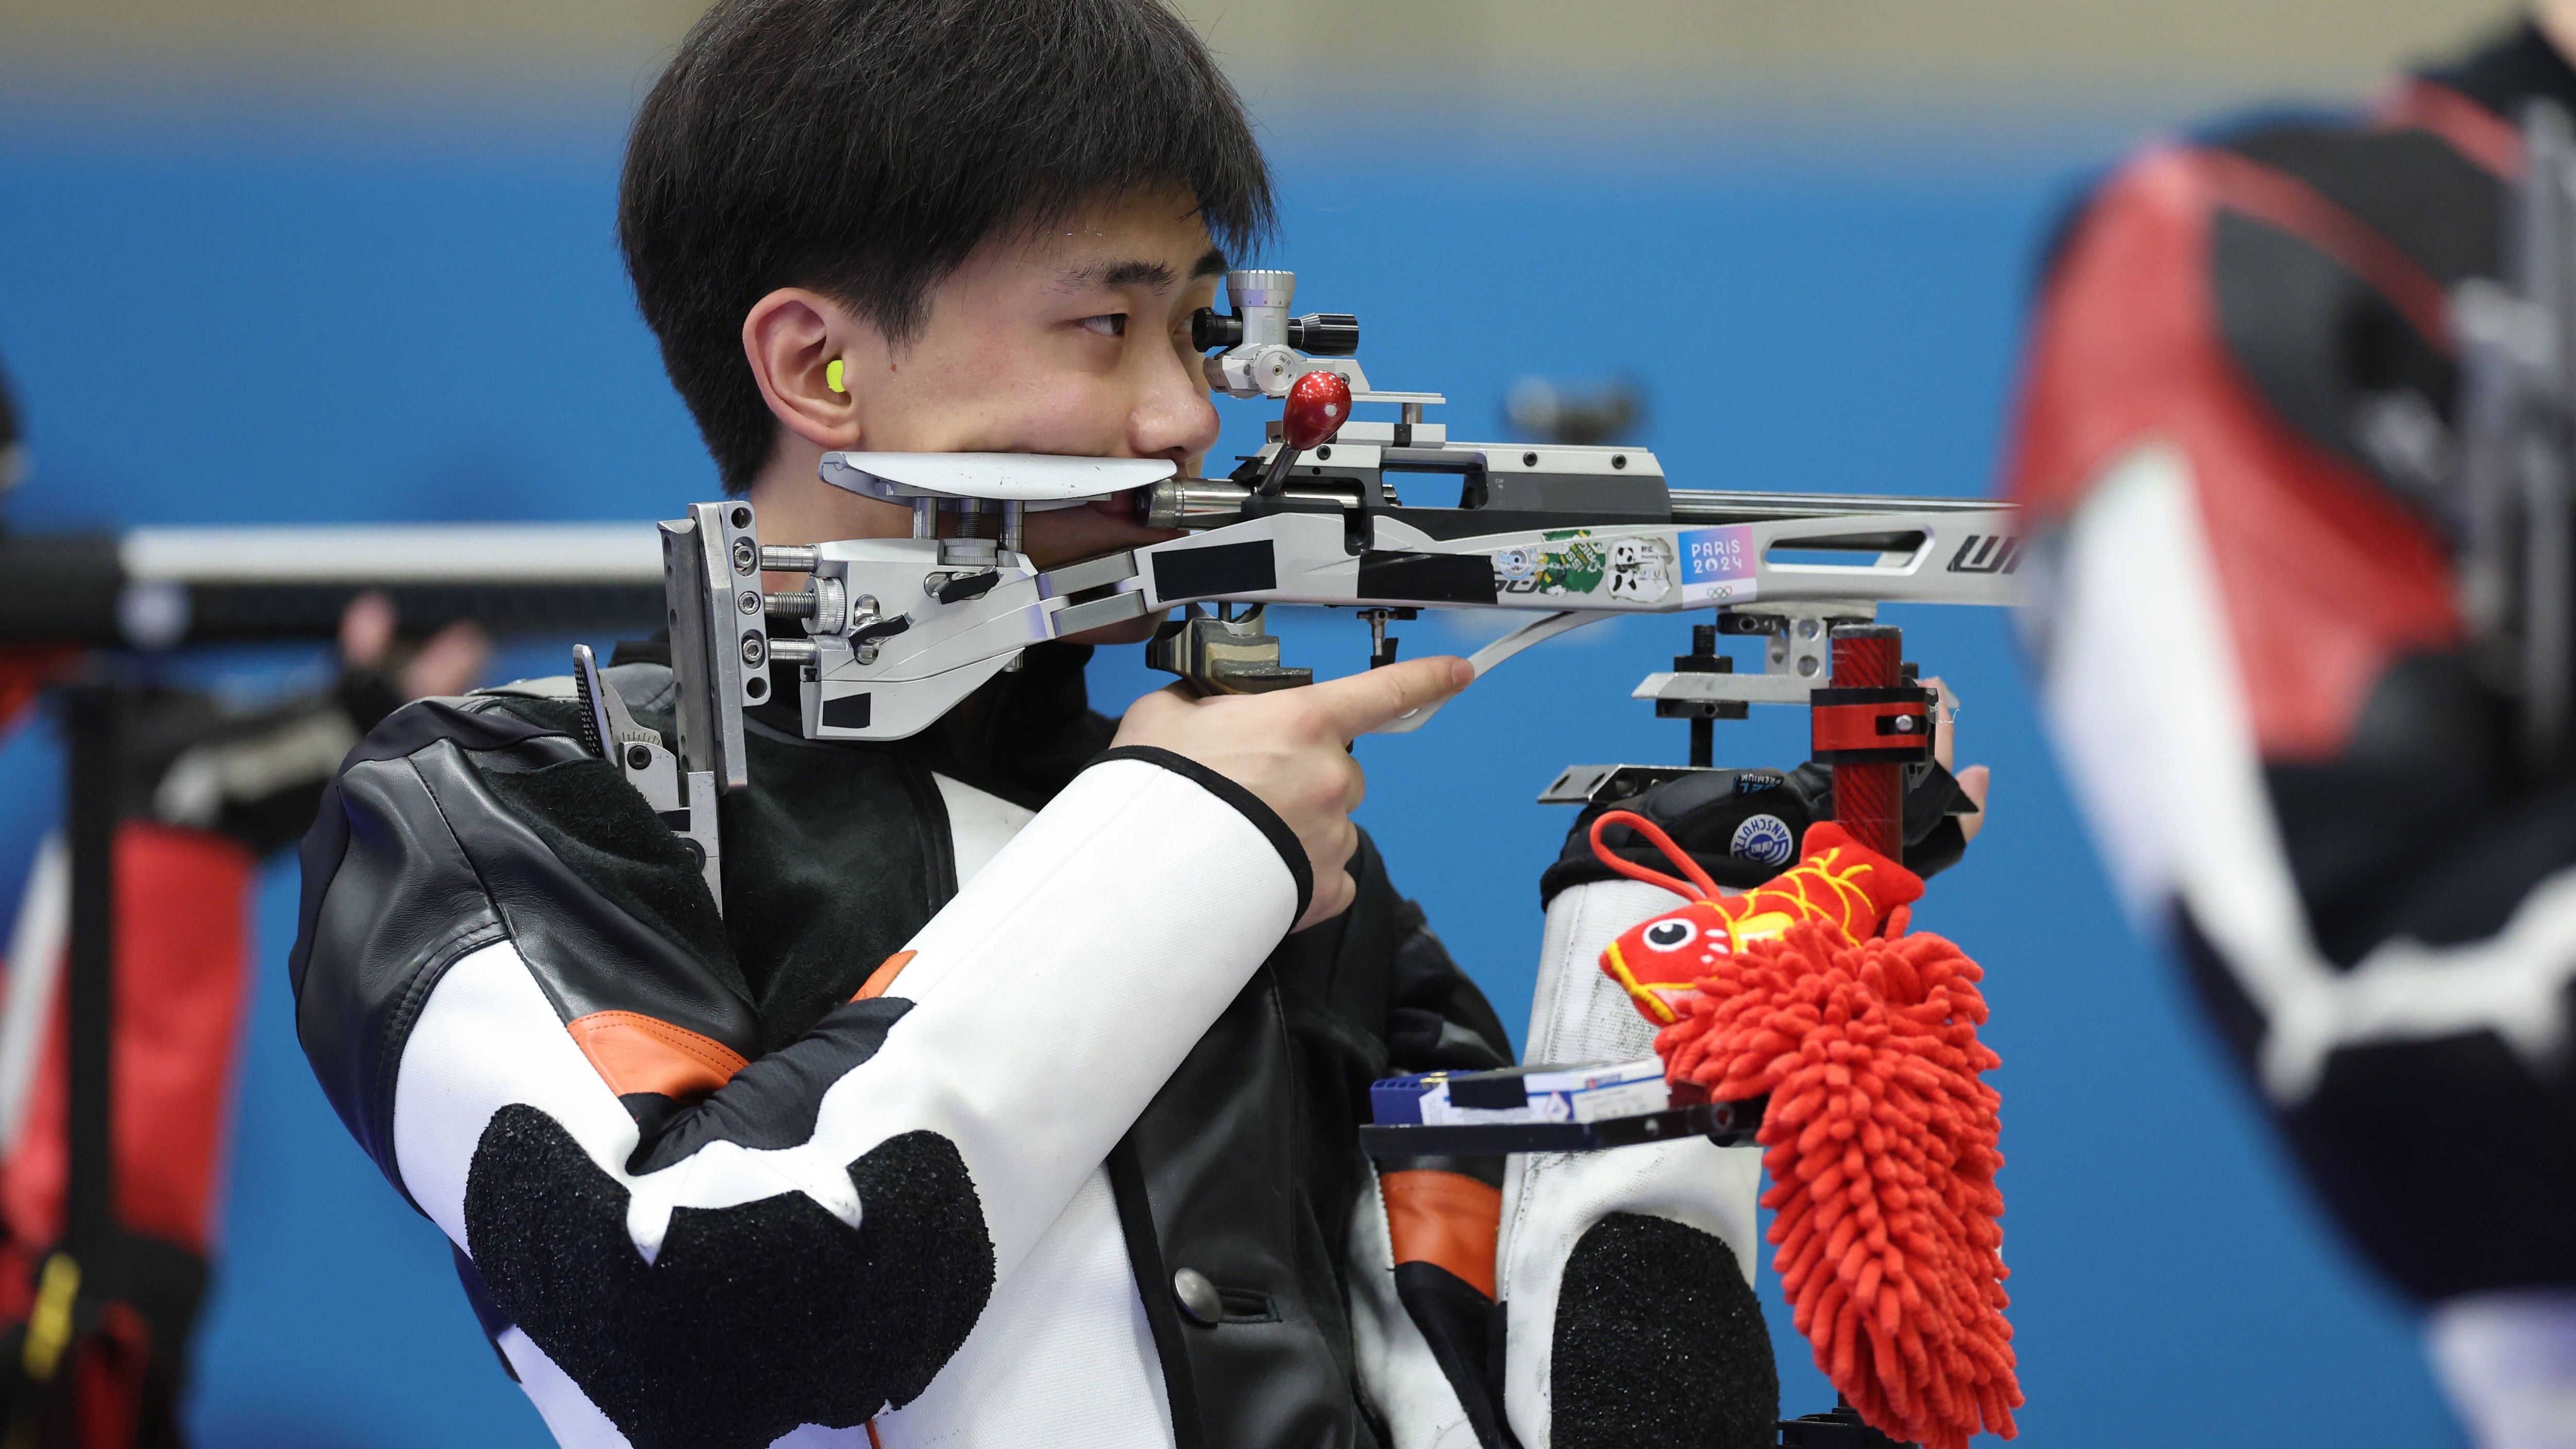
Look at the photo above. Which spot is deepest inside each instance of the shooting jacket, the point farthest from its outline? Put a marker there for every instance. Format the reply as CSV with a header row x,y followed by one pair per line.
x,y
997,1107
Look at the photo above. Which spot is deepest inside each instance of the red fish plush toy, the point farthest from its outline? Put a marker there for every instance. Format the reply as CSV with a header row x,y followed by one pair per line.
x,y
1879,1136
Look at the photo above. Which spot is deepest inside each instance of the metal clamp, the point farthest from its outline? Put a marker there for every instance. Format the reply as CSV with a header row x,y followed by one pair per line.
x,y
1797,661
610,731
1871,726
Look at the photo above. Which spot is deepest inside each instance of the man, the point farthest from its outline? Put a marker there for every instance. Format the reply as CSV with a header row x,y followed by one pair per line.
x,y
2237,421
1012,1097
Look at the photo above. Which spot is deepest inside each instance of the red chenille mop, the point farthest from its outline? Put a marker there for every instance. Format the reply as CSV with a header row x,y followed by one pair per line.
x,y
1879,1136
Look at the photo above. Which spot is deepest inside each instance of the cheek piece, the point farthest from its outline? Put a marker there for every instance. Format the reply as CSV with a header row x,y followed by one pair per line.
x,y
1880,1134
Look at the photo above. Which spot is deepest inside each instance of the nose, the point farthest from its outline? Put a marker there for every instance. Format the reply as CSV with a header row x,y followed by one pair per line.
x,y
1172,416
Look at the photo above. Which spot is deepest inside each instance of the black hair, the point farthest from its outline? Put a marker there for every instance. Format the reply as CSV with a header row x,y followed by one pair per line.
x,y
864,148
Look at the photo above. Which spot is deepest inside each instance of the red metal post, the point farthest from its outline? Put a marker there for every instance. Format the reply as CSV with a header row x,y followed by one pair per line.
x,y
1869,799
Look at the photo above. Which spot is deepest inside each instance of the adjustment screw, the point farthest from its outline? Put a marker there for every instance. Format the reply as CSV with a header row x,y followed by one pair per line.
x,y
1618,460
637,757
755,648
749,603
1905,724
745,557
1807,665
1529,460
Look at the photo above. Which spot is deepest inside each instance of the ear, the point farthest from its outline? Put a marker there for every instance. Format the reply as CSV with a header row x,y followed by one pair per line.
x,y
795,340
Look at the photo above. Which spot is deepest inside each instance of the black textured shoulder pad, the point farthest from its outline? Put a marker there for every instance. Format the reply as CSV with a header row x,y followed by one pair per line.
x,y
457,824
753,1319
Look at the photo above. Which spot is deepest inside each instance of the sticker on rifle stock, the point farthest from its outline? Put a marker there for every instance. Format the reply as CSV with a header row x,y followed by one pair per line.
x,y
1636,569
1718,564
1571,561
1640,569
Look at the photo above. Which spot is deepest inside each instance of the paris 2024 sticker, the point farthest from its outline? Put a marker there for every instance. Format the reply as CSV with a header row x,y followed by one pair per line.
x,y
1710,566
1718,564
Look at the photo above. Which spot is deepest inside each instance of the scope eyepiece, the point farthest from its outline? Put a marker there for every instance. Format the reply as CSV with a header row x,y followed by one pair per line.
x,y
1325,334
1211,329
1321,334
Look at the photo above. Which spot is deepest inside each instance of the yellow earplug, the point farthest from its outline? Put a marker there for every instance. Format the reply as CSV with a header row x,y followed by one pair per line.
x,y
832,375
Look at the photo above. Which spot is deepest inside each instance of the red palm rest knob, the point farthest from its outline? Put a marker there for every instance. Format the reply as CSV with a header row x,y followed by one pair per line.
x,y
1318,404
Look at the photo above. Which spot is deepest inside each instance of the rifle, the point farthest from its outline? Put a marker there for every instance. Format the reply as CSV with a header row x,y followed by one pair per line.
x,y
889,634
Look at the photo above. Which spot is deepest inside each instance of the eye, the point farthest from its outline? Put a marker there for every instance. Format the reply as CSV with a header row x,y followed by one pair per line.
x,y
1107,324
1671,935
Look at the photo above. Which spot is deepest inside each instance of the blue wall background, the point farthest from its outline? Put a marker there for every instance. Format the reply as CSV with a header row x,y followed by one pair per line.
x,y
261,322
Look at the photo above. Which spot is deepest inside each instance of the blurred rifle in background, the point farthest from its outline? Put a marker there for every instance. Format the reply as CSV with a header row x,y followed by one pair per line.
x,y
172,797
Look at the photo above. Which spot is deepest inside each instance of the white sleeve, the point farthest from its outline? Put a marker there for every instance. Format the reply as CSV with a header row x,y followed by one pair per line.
x,y
1550,1200
1047,1003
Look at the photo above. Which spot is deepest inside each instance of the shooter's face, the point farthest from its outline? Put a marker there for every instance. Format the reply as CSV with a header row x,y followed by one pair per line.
x,y
1073,341
1076,341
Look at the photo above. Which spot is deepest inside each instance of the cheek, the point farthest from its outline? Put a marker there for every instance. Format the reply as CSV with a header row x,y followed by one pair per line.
x,y
997,392
1054,405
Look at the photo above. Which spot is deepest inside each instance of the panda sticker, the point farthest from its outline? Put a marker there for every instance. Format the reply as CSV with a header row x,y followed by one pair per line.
x,y
1640,570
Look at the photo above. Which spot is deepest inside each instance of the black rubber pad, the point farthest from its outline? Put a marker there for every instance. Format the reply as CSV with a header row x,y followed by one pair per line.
x,y
755,1318
1659,1340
